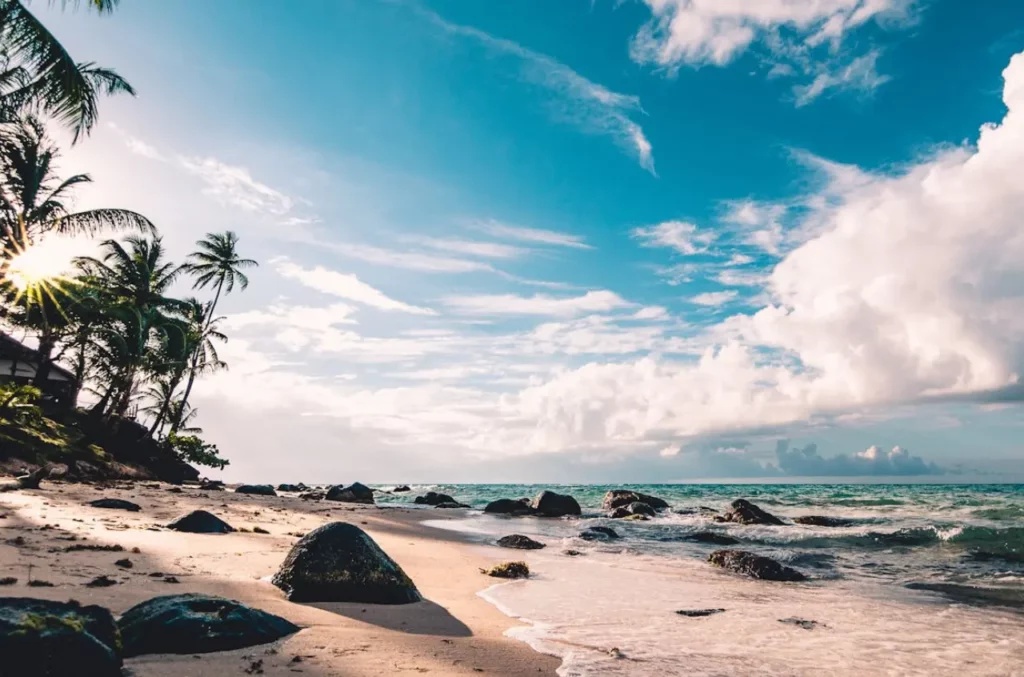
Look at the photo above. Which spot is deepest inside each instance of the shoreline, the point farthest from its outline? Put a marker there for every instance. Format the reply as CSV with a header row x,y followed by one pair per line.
x,y
454,631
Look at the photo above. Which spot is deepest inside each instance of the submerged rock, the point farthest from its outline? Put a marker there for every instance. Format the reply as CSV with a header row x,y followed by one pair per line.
x,y
401,489
599,534
339,562
550,504
451,505
619,498
192,623
636,508
1012,598
508,570
520,542
39,638
755,566
745,512
201,522
256,490
115,504
699,613
822,521
712,537
354,493
433,498
507,506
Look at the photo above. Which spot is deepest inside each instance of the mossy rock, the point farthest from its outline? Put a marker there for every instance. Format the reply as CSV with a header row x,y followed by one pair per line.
x,y
508,570
193,623
339,562
39,638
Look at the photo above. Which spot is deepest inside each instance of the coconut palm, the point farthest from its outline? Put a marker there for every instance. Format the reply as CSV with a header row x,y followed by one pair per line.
x,y
37,70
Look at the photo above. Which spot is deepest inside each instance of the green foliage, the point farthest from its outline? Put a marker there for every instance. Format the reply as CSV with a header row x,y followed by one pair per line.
x,y
192,449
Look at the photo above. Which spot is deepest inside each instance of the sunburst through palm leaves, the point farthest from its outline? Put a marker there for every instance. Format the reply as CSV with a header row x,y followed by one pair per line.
x,y
34,275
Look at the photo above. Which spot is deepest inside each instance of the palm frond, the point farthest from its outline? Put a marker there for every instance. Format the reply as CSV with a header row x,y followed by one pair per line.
x,y
96,221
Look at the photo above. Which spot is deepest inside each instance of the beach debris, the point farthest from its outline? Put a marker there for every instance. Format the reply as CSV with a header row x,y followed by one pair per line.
x,y
8,580
39,638
124,563
614,652
755,566
402,488
822,521
292,488
175,490
802,623
507,506
256,490
201,522
29,480
194,624
699,613
712,537
354,493
339,562
636,508
438,500
572,553
599,534
37,583
745,512
115,504
211,485
508,570
259,530
171,579
519,542
103,581
89,547
550,504
620,498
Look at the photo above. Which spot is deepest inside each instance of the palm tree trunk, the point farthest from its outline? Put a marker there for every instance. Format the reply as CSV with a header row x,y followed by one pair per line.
x,y
195,360
47,342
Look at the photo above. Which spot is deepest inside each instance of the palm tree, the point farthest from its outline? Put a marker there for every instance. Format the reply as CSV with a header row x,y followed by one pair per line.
x,y
34,201
37,70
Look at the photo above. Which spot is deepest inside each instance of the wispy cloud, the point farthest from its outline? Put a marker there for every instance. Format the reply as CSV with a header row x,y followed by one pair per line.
x,y
587,105
344,286
682,236
490,250
407,260
535,235
715,298
860,74
538,304
235,185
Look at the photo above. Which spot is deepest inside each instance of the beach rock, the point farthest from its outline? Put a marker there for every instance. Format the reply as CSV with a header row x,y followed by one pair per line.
x,y
193,623
822,521
450,505
256,490
550,504
633,509
699,613
520,542
201,522
801,623
712,537
39,638
755,566
572,553
433,498
312,495
292,488
401,489
211,485
599,534
28,480
508,570
354,493
508,506
619,498
339,562
115,504
745,512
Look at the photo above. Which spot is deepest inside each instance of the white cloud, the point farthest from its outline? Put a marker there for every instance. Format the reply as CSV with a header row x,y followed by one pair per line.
x,y
303,317
714,298
860,74
682,236
651,313
427,263
591,107
538,304
235,185
491,250
344,286
535,235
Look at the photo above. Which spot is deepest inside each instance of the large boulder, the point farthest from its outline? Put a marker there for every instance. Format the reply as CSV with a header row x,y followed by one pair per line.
x,y
507,506
822,521
550,504
755,566
201,522
712,537
256,490
115,504
619,498
192,623
433,498
39,638
634,508
599,534
519,542
745,512
339,562
354,493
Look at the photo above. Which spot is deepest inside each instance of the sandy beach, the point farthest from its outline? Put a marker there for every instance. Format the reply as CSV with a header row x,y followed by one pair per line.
x,y
452,632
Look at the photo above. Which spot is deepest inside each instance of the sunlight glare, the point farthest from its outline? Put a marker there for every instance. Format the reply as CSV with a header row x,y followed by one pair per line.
x,y
43,261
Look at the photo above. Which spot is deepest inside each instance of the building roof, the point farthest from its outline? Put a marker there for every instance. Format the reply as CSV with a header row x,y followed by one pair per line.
x,y
13,349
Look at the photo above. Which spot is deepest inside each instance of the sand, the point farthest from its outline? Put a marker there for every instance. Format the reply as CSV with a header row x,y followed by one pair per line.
x,y
452,632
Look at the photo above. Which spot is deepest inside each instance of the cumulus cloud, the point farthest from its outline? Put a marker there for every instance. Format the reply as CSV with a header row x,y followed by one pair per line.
x,y
807,462
344,286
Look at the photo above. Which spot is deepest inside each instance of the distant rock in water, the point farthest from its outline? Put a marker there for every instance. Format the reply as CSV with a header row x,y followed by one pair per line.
x,y
699,613
755,566
292,488
745,512
550,504
520,542
1012,598
822,521
354,493
599,534
712,537
619,498
201,522
115,504
507,506
450,505
339,562
192,623
256,490
39,638
402,488
433,498
636,508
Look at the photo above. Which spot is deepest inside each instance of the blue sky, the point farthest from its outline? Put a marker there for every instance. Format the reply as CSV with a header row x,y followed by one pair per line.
x,y
588,240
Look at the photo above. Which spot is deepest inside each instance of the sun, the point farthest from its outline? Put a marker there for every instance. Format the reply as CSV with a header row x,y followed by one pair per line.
x,y
48,260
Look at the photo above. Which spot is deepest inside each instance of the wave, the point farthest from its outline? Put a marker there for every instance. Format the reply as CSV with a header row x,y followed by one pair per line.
x,y
1008,513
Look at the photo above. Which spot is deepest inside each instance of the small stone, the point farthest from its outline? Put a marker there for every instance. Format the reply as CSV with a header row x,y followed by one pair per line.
x,y
801,623
519,542
124,563
699,613
101,582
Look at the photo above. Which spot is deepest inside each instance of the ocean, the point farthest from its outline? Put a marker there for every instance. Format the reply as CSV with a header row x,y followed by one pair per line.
x,y
925,580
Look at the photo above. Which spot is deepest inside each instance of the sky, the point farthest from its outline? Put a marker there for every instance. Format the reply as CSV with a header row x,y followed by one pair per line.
x,y
588,240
